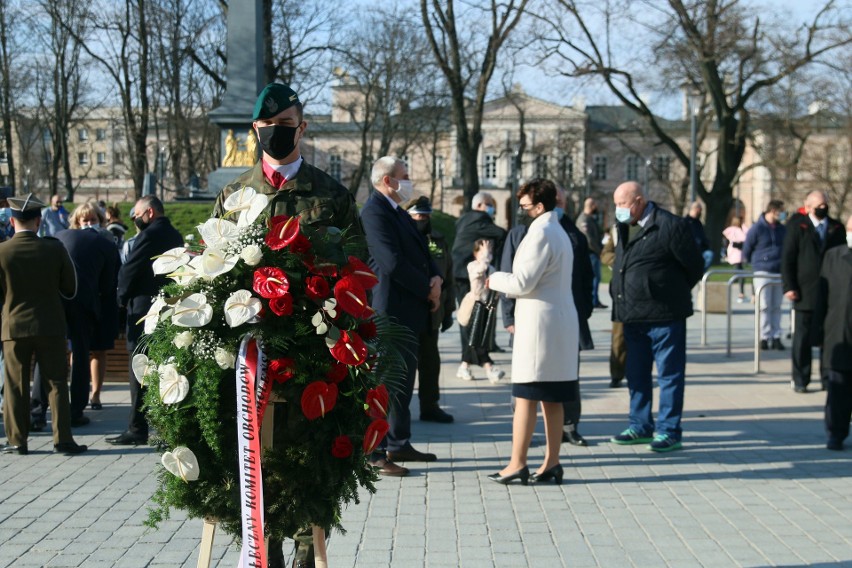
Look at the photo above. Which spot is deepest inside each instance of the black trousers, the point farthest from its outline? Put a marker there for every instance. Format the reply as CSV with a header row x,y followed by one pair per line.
x,y
401,391
804,338
462,288
838,404
428,370
572,407
81,327
137,424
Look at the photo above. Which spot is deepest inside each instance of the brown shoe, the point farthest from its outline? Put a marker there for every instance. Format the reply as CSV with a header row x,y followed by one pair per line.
x,y
387,467
409,454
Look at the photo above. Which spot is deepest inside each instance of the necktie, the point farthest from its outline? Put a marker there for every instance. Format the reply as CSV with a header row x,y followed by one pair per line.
x,y
278,180
821,230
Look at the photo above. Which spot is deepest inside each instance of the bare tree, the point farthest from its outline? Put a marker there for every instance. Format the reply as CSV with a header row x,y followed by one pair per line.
x,y
719,48
8,14
467,61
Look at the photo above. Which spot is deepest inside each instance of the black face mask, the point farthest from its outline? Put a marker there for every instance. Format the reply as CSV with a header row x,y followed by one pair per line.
x,y
821,212
278,141
140,224
424,226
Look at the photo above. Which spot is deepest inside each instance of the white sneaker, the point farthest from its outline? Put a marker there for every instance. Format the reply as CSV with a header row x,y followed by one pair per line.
x,y
495,373
464,373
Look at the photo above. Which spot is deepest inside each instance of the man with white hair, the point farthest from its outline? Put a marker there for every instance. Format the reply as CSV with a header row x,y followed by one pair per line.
x,y
409,289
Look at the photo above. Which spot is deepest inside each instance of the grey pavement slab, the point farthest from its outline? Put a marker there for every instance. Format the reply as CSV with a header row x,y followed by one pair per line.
x,y
753,486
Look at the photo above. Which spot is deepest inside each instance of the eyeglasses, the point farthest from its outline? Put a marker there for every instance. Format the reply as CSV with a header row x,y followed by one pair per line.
x,y
526,206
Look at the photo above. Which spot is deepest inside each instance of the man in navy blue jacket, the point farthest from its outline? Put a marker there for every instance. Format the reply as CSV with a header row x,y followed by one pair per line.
x,y
762,249
409,289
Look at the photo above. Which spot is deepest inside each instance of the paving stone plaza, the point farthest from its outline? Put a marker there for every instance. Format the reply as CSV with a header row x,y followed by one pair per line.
x,y
754,485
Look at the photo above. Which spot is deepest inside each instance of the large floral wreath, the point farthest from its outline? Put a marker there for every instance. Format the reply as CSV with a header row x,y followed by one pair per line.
x,y
303,293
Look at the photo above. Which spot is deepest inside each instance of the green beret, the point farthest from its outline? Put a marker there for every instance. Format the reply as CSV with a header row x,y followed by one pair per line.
x,y
274,98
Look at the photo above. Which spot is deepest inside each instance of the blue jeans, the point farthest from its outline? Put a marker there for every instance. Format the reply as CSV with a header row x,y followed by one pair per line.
x,y
665,344
596,271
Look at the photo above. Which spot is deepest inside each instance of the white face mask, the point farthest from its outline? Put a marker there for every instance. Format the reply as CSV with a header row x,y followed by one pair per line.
x,y
849,239
406,190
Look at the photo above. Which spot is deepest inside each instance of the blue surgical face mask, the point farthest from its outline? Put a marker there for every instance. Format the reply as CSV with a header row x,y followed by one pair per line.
x,y
622,214
559,212
782,216
490,210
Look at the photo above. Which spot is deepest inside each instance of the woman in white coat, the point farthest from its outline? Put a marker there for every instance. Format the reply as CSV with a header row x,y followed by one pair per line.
x,y
545,350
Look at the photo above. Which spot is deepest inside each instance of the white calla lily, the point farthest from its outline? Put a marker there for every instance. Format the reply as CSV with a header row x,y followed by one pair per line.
x,y
170,260
185,275
248,203
192,311
218,232
213,262
153,316
182,463
141,367
241,307
173,386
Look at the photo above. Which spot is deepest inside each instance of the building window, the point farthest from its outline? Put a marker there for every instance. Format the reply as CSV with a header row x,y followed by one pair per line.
x,y
100,134
541,166
439,167
118,158
334,166
82,134
82,158
566,169
632,170
490,169
663,166
599,167
4,157
407,165
101,158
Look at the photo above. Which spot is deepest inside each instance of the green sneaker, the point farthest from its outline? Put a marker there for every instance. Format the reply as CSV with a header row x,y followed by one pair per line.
x,y
630,437
664,443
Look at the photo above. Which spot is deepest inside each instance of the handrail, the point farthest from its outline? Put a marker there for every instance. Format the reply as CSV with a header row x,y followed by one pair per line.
x,y
769,282
729,310
704,295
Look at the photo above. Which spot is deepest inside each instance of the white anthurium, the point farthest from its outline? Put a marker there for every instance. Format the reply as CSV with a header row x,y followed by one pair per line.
x,y
217,232
241,307
192,311
252,255
170,260
224,358
153,316
173,386
319,322
182,463
248,203
213,262
142,367
183,339
185,275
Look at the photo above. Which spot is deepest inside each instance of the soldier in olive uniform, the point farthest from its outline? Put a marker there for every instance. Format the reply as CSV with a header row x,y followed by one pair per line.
x,y
429,358
35,274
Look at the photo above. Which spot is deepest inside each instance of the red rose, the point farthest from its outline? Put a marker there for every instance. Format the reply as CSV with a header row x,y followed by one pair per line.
x,y
337,372
270,282
301,244
318,399
360,272
367,330
375,433
282,306
377,402
281,370
351,298
342,447
349,349
316,287
283,230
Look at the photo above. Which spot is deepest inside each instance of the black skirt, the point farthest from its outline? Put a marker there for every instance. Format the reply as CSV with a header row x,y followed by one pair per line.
x,y
555,391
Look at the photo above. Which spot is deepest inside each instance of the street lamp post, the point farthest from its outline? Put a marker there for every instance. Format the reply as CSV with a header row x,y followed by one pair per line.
x,y
695,100
162,157
647,188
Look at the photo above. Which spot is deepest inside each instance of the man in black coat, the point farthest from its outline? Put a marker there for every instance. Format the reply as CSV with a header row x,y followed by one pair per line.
x,y
833,315
137,285
808,238
409,289
656,265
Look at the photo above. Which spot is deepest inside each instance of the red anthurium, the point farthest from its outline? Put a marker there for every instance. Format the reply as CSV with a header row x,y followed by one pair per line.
x,y
375,433
319,266
270,282
349,349
367,330
316,287
377,401
282,306
352,298
358,269
283,230
318,399
281,370
342,447
337,372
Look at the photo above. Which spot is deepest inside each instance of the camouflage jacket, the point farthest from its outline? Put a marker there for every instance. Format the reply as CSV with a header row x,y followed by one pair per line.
x,y
313,195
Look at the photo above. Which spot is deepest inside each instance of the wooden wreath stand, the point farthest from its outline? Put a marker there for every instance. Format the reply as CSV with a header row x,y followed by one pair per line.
x,y
209,530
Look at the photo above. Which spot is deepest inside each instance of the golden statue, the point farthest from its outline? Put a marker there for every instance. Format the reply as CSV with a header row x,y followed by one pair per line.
x,y
231,150
249,157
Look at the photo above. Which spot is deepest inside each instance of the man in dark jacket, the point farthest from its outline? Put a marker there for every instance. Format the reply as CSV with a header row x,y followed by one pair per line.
x,y
762,249
137,285
429,358
696,227
808,238
478,223
834,315
656,266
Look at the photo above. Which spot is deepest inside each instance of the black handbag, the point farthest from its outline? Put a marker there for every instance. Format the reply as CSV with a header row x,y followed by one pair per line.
x,y
483,321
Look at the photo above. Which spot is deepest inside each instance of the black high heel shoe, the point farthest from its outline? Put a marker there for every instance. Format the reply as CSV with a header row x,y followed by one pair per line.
x,y
555,473
523,474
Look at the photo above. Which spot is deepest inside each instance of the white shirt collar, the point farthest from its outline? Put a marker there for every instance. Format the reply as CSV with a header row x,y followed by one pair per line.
x,y
816,222
290,170
393,203
646,215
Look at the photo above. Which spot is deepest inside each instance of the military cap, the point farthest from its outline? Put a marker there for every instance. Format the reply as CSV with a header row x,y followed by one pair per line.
x,y
421,205
274,98
26,207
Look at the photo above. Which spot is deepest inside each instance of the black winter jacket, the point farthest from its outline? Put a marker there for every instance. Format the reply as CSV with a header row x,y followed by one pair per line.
x,y
470,227
801,259
654,273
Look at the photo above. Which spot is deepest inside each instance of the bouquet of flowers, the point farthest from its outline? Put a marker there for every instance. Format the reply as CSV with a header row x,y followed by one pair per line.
x,y
293,298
